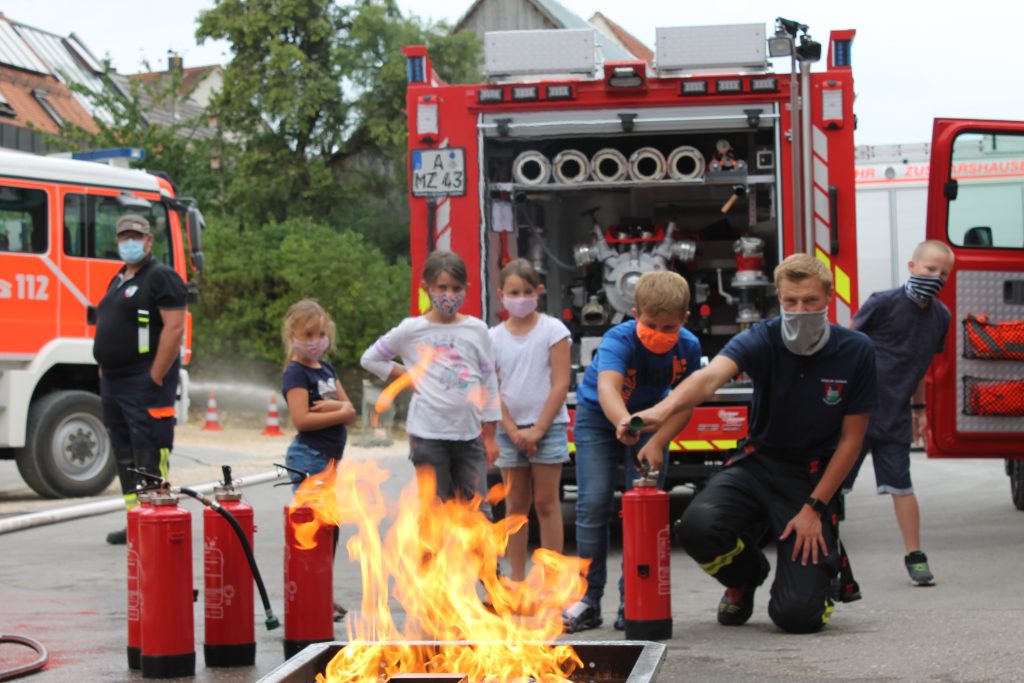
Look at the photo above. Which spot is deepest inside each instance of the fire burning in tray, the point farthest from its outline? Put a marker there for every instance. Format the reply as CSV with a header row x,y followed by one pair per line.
x,y
439,561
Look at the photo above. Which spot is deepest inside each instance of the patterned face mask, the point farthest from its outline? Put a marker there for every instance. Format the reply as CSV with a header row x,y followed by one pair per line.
x,y
447,304
922,288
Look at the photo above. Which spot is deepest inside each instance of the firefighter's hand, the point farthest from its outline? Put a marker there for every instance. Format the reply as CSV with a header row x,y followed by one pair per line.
x,y
920,420
159,381
809,543
652,454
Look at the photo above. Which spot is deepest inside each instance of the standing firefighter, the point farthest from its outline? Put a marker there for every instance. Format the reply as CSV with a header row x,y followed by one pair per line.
x,y
139,327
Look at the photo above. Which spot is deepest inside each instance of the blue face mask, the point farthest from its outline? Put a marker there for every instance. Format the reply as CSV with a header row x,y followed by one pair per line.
x,y
132,251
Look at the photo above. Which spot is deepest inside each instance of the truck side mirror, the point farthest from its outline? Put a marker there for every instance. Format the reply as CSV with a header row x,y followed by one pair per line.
x,y
195,224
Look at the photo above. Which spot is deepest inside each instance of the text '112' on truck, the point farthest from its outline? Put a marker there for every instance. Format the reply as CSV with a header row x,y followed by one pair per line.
x,y
58,253
707,163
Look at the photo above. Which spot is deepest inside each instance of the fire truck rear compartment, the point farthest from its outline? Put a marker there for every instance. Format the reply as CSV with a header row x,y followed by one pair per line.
x,y
551,221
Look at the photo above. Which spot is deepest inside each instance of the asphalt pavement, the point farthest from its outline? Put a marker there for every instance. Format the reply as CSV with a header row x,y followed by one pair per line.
x,y
63,585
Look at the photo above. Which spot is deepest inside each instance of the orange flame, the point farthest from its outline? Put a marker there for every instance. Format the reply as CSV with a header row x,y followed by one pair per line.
x,y
434,560
406,379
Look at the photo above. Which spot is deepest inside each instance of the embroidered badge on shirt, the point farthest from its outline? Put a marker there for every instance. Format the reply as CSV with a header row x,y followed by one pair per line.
x,y
833,391
129,292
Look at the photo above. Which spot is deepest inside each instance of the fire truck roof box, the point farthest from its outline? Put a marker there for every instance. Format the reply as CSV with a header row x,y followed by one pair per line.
x,y
540,53
700,48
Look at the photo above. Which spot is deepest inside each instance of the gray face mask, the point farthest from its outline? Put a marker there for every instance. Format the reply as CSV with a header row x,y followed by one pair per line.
x,y
805,333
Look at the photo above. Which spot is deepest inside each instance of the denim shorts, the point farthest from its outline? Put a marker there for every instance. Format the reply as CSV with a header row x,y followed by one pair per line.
x,y
304,458
552,449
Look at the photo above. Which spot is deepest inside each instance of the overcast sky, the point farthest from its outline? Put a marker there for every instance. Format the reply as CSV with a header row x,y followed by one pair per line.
x,y
912,61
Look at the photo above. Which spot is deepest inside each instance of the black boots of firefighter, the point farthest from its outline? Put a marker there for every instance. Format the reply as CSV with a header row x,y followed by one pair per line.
x,y
127,459
737,604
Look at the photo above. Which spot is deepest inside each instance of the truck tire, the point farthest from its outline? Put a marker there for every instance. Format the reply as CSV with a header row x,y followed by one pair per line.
x,y
67,451
1015,468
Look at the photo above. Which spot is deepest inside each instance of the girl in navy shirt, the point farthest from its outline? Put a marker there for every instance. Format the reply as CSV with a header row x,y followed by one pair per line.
x,y
317,403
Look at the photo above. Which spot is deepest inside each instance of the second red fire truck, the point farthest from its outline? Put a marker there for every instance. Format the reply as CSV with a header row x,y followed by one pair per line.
x,y
710,164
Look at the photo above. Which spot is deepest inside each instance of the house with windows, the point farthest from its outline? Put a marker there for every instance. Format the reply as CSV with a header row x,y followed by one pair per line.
x,y
38,68
35,69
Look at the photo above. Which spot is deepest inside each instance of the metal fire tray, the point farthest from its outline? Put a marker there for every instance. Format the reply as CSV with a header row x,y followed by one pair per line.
x,y
619,661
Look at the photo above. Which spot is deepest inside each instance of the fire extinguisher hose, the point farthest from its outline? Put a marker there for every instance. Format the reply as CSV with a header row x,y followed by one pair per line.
x,y
24,669
272,621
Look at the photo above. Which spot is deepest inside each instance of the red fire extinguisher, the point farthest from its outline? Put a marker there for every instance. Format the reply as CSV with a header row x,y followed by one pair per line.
x,y
646,547
308,584
230,630
165,550
134,594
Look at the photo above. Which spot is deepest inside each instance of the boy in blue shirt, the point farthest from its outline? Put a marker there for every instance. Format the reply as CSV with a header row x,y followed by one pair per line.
x,y
637,364
814,386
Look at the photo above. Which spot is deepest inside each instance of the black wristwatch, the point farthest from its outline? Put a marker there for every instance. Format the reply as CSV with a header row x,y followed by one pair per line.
x,y
816,505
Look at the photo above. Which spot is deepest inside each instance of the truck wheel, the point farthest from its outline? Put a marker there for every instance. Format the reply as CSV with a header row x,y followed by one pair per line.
x,y
1015,468
67,451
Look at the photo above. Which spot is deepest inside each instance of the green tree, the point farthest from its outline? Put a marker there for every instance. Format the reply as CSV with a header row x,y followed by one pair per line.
x,y
254,276
315,90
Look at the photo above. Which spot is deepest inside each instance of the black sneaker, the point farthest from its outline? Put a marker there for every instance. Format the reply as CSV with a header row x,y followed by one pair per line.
x,y
736,606
620,618
581,616
917,567
118,537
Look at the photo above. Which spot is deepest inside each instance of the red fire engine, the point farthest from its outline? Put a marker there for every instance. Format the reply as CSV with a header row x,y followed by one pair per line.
x,y
58,252
712,165
975,389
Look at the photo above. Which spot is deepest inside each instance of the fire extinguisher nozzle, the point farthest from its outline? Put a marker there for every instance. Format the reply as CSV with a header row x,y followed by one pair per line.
x,y
272,622
636,423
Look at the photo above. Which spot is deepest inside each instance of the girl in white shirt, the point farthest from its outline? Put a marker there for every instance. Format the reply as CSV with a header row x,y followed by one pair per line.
x,y
532,354
454,410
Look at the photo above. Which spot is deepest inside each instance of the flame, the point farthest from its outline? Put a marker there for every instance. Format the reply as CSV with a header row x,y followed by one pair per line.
x,y
434,560
406,379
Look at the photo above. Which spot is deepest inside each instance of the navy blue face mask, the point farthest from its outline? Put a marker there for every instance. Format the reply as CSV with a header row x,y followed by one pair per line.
x,y
922,288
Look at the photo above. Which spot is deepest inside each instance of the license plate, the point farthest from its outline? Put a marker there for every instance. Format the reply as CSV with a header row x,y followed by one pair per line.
x,y
438,172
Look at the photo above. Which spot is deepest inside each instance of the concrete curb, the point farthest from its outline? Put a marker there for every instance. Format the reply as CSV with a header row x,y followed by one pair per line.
x,y
102,507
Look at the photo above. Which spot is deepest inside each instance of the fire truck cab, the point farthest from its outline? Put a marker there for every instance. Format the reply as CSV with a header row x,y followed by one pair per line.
x,y
710,164
975,389
58,253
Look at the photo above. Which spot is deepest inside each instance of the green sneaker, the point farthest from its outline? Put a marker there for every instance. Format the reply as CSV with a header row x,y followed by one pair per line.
x,y
917,567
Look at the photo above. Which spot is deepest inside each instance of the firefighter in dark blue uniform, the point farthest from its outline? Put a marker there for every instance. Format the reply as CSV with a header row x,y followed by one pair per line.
x,y
814,385
139,328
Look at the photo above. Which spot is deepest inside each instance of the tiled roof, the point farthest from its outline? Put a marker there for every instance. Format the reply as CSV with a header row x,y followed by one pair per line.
x,y
69,61
161,113
190,77
25,93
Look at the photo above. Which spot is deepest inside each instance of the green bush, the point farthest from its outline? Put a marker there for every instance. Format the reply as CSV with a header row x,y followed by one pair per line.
x,y
254,275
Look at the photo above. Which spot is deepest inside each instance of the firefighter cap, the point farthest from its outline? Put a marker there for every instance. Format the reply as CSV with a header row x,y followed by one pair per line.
x,y
134,223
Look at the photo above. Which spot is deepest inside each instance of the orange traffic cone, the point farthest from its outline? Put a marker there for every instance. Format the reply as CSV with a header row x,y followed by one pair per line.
x,y
273,427
212,420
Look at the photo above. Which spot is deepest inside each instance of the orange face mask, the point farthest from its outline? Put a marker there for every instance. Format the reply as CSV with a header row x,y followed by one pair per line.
x,y
654,341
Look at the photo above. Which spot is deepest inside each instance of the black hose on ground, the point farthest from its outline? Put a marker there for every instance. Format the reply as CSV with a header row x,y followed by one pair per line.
x,y
31,667
272,621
